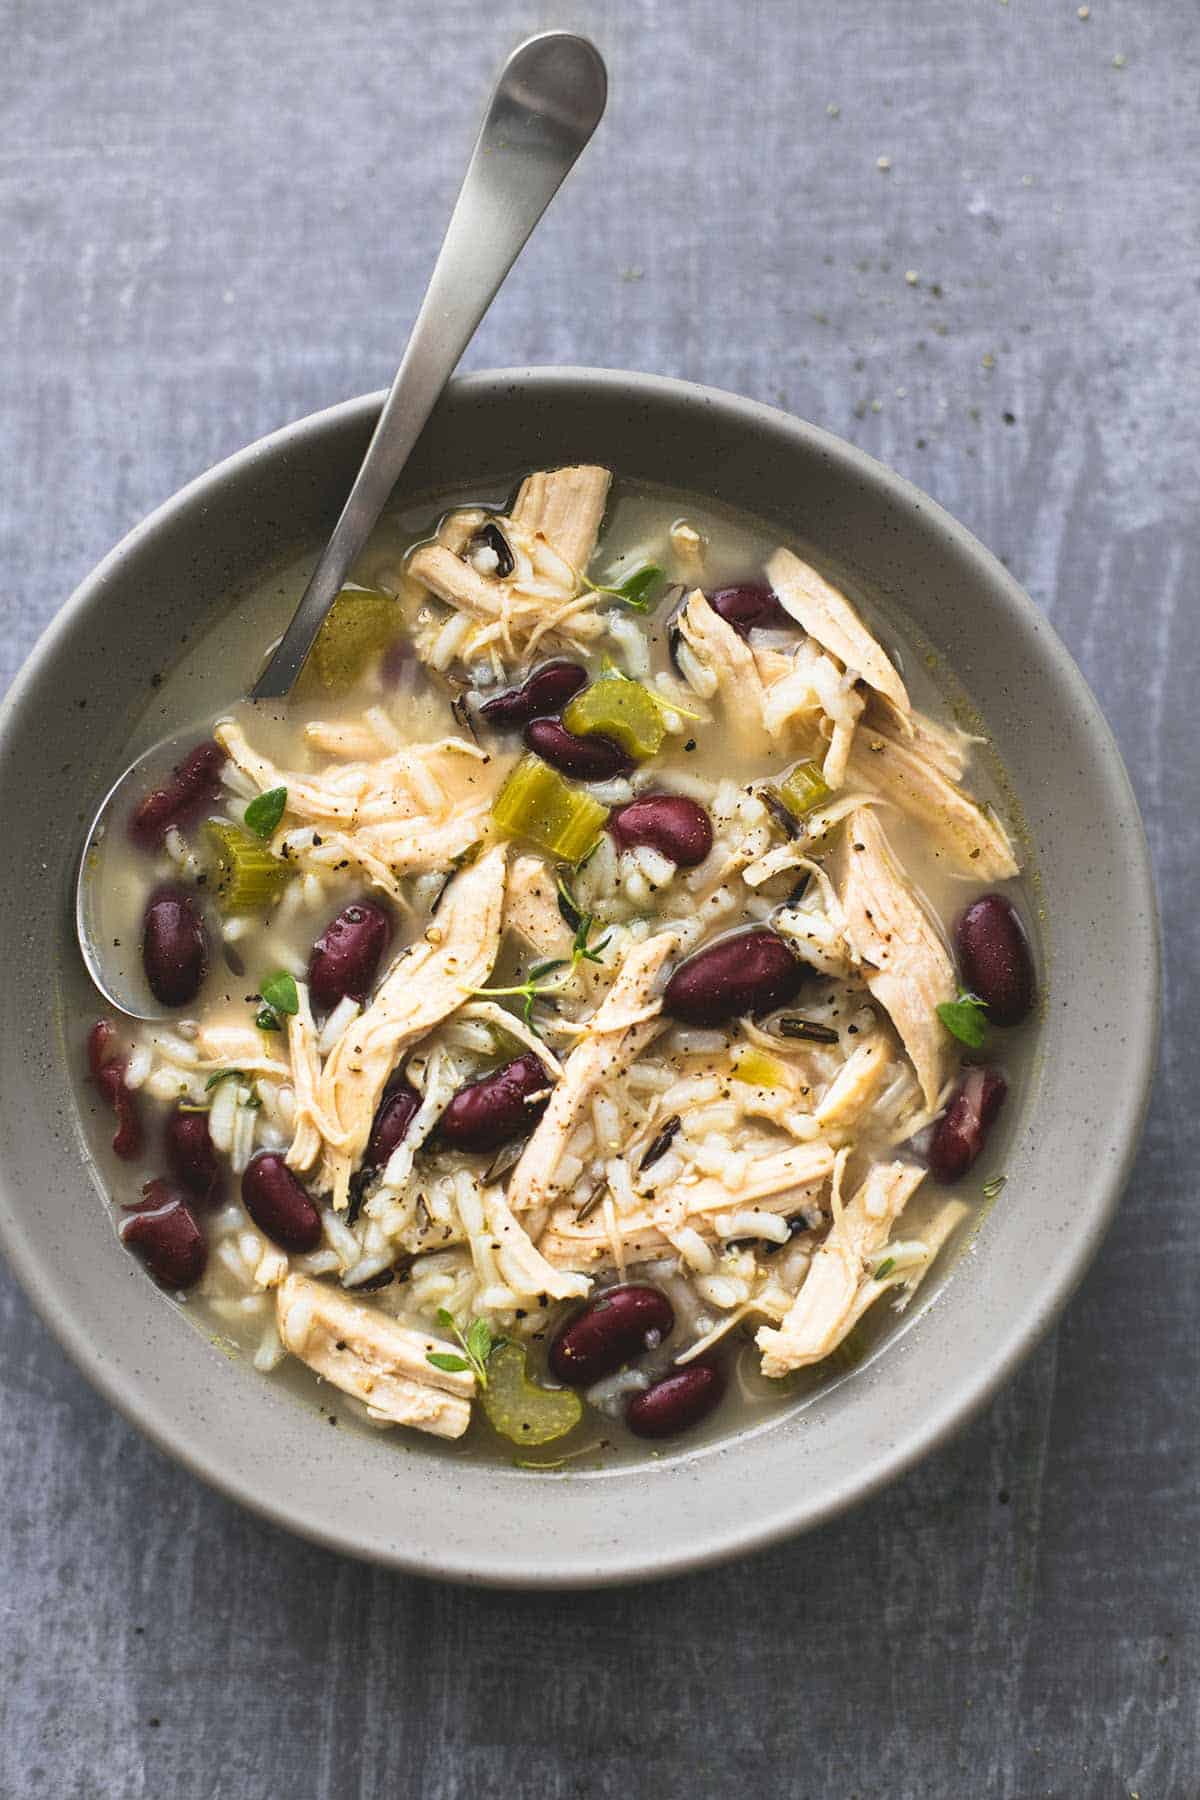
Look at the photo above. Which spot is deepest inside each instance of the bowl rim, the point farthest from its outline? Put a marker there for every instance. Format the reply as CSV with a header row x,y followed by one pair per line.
x,y
1008,1348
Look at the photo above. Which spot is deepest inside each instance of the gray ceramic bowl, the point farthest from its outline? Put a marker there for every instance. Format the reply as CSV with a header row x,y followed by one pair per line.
x,y
63,732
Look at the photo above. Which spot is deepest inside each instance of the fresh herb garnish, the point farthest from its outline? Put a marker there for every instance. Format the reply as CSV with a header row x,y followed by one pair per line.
x,y
530,991
266,1020
885,1268
221,1075
581,950
965,1018
568,906
477,1346
636,589
265,811
992,1188
279,992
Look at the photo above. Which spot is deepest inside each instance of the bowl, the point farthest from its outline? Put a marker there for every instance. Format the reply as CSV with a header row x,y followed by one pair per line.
x,y
64,732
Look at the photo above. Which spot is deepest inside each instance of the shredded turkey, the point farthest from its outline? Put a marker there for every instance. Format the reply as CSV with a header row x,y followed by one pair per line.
x,y
719,654
905,774
531,908
828,617
840,1284
903,958
626,1020
368,1355
566,507
425,985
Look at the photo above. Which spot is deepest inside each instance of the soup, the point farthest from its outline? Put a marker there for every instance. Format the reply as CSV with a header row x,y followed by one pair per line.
x,y
588,996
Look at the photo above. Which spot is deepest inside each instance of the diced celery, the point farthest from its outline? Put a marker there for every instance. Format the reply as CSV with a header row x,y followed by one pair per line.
x,y
804,788
244,875
360,623
620,709
758,1069
521,1410
536,803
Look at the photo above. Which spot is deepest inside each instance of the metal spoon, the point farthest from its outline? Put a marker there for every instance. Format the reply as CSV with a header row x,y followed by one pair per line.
x,y
546,104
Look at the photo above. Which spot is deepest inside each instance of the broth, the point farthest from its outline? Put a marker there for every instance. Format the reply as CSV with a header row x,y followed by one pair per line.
x,y
702,758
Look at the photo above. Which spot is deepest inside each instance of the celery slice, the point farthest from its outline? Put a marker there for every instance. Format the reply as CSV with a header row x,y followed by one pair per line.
x,y
758,1069
620,709
519,1409
360,623
244,875
536,803
804,788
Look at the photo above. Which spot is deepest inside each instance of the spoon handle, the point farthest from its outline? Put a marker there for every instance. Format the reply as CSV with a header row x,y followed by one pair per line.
x,y
545,106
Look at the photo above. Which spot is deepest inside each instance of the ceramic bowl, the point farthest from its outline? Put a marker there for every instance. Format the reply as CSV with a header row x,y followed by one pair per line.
x,y
64,730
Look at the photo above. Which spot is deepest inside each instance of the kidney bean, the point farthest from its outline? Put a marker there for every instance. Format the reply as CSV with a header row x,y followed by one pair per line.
x,y
346,955
591,758
618,1325
677,1402
278,1204
163,1231
108,1078
751,606
669,823
961,1132
994,956
748,972
173,946
541,696
192,786
496,1108
394,1115
191,1155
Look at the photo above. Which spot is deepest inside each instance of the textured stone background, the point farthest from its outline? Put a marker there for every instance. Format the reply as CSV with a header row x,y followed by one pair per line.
x,y
219,217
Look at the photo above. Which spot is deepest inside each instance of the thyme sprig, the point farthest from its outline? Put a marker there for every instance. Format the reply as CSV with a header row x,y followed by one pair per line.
x,y
478,1344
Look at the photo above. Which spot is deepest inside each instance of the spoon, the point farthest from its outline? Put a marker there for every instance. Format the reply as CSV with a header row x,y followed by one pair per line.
x,y
547,102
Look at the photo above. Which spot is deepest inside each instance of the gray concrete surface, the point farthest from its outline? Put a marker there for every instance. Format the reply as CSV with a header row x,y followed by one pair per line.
x,y
216,218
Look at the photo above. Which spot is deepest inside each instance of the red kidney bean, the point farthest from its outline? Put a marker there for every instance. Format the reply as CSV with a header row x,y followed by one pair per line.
x,y
278,1204
191,1155
670,823
496,1108
346,956
173,946
677,1402
961,1132
193,786
618,1325
108,1078
163,1231
591,758
748,972
541,696
994,956
396,1112
748,607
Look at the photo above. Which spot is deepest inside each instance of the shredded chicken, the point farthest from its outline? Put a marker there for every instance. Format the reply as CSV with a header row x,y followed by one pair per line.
x,y
624,1023
521,1262
424,986
729,663
565,506
531,908
368,1355
905,774
828,617
855,1085
840,1283
903,958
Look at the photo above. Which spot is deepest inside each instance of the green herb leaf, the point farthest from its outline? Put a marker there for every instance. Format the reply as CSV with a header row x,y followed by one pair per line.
x,y
445,1319
479,1340
478,1345
266,1020
992,1188
265,811
885,1268
636,589
965,1018
220,1075
279,991
446,1359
